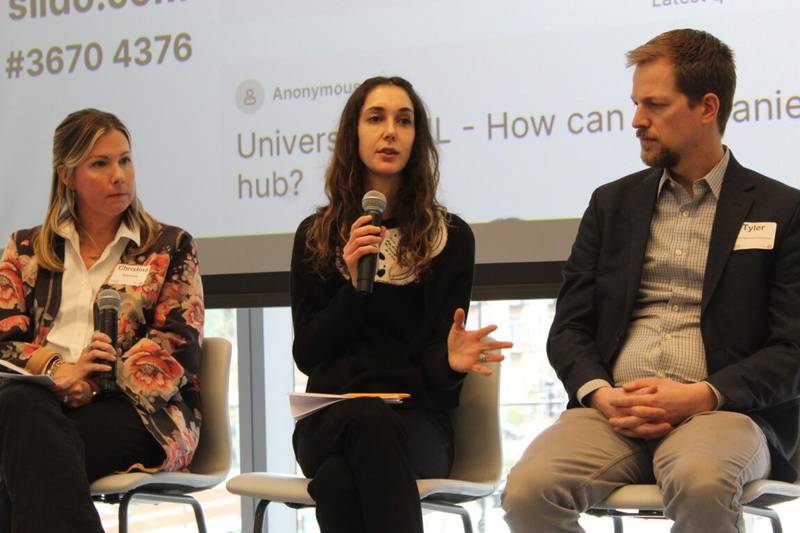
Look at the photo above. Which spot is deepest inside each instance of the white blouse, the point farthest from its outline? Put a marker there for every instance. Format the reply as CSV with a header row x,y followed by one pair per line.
x,y
74,324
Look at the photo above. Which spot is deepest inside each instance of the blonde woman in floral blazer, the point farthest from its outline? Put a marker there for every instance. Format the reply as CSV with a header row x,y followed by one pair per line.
x,y
56,442
160,324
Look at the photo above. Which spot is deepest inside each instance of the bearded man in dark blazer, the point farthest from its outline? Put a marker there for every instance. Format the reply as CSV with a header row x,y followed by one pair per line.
x,y
677,327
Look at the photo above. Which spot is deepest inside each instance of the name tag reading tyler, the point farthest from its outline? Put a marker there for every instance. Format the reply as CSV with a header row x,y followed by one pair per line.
x,y
129,275
756,236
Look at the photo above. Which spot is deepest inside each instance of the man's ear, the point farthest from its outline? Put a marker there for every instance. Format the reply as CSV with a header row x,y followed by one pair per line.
x,y
710,108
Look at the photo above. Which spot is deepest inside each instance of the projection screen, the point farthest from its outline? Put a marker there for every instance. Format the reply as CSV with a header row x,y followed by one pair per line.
x,y
233,105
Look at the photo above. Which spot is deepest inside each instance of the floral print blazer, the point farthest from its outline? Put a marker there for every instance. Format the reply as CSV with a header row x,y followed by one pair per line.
x,y
160,331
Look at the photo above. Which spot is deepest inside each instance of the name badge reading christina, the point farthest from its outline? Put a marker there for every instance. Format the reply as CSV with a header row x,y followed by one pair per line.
x,y
129,275
756,236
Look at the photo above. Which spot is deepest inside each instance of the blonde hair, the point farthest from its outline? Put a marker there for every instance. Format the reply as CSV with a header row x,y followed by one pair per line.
x,y
703,64
73,140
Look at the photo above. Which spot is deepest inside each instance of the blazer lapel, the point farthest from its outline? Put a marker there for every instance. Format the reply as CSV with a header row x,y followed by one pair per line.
x,y
642,206
732,208
47,295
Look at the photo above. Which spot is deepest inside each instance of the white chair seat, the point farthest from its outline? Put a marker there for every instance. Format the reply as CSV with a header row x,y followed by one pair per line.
x,y
645,501
460,490
769,487
283,488
648,497
121,483
287,488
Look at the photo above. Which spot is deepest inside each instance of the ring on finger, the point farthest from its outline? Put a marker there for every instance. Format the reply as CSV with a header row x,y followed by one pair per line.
x,y
66,399
482,357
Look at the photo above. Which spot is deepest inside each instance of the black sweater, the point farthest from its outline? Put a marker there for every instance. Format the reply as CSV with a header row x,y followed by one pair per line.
x,y
394,340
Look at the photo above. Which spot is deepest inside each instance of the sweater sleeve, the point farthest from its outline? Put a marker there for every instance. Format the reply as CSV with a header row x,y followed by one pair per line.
x,y
326,314
452,289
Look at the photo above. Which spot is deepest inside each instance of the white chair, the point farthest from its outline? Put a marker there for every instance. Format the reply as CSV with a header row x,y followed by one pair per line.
x,y
211,461
644,501
476,466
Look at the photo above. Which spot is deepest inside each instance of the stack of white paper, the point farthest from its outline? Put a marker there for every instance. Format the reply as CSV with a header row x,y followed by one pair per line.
x,y
12,371
303,404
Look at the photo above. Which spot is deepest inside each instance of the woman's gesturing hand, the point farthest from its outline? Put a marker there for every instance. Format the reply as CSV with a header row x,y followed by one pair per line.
x,y
93,358
364,239
466,352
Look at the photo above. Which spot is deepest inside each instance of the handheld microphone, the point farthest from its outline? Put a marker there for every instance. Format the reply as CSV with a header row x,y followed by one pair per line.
x,y
108,302
373,203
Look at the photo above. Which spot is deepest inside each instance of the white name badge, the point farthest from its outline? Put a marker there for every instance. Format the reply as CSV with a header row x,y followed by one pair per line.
x,y
756,236
129,275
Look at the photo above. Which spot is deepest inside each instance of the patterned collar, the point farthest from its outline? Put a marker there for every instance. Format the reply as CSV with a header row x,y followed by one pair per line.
x,y
389,269
713,179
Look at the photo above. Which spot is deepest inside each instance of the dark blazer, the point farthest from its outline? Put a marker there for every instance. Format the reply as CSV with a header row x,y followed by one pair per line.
x,y
750,318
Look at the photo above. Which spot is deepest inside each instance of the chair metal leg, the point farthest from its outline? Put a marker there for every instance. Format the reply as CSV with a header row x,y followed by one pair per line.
x,y
128,498
198,515
452,509
776,524
258,520
466,521
123,512
767,512
482,520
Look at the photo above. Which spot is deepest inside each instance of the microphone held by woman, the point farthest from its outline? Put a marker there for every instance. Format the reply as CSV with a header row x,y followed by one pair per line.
x,y
373,203
108,302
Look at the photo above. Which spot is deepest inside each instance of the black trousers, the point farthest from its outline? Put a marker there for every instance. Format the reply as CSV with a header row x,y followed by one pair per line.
x,y
364,457
50,454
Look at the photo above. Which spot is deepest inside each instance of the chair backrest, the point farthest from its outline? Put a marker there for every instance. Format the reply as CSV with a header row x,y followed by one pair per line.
x,y
476,423
213,455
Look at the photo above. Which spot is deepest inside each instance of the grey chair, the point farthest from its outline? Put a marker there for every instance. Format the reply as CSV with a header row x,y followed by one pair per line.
x,y
644,501
475,473
211,461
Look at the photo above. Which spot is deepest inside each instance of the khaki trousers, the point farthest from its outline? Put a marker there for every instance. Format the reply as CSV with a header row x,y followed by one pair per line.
x,y
577,462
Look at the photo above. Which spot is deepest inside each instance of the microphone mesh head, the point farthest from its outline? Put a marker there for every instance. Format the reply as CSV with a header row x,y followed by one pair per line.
x,y
373,201
108,299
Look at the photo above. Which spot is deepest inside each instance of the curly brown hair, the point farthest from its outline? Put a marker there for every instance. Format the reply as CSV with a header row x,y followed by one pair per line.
x,y
417,211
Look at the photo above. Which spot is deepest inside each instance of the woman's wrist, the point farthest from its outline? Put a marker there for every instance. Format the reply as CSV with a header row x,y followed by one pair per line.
x,y
52,365
94,387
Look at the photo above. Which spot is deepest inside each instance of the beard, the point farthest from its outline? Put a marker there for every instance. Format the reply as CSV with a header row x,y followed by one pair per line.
x,y
661,158
658,156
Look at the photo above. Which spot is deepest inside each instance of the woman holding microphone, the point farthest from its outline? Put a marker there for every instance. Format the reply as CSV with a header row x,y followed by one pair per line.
x,y
96,238
405,336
